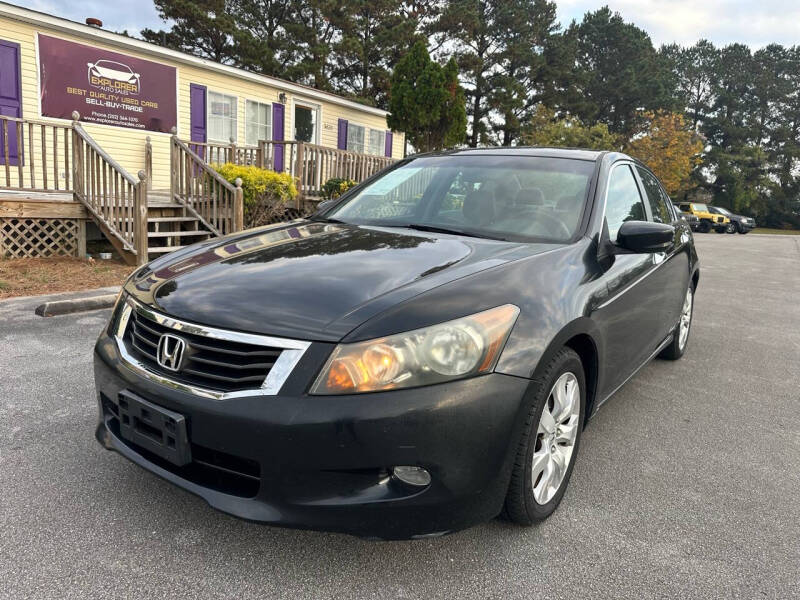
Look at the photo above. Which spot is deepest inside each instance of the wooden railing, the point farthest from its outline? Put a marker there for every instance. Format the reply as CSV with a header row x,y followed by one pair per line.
x,y
315,165
116,199
311,164
34,155
204,192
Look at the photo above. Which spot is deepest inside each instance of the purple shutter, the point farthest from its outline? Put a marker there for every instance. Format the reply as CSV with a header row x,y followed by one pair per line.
x,y
277,134
10,100
388,144
342,141
197,117
197,107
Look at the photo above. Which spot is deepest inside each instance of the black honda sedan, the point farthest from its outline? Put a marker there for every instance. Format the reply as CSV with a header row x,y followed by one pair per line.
x,y
419,356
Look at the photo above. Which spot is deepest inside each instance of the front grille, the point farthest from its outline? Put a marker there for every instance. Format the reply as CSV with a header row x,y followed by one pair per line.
x,y
210,363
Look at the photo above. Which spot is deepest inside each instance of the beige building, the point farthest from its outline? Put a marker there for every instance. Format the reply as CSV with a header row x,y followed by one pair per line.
x,y
131,97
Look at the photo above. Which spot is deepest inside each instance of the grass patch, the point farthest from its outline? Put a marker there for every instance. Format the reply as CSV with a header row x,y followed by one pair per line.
x,y
776,231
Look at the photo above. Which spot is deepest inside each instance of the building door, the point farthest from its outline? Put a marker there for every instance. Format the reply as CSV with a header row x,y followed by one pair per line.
x,y
305,123
197,109
10,100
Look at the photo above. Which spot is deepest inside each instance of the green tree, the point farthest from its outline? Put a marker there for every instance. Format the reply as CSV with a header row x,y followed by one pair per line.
x,y
693,69
427,101
527,28
544,128
204,28
617,73
373,36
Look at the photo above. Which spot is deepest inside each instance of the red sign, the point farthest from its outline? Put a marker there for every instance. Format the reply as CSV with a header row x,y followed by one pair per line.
x,y
105,87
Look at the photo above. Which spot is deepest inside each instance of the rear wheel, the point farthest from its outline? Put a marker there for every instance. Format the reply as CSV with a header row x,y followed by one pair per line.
x,y
549,444
731,228
680,338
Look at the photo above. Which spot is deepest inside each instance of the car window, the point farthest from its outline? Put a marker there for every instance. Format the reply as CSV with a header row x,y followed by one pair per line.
x,y
520,198
652,189
700,207
623,202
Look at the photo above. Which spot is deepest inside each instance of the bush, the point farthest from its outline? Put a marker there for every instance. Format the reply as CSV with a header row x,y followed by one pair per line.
x,y
335,187
265,193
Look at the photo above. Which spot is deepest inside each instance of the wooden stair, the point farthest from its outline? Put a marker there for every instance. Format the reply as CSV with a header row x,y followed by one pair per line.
x,y
169,226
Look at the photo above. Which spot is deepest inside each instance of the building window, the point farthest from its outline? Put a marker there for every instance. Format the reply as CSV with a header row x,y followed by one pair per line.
x,y
355,137
377,142
258,122
221,117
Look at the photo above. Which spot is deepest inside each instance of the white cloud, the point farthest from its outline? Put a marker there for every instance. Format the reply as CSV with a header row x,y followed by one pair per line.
x,y
685,21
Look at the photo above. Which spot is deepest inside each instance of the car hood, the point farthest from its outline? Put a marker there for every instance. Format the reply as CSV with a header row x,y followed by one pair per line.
x,y
311,280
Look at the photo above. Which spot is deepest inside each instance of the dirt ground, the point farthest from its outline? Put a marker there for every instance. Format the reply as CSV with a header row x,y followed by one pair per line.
x,y
34,276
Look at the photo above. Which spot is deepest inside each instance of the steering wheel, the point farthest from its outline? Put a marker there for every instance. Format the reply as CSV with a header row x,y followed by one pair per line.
x,y
551,223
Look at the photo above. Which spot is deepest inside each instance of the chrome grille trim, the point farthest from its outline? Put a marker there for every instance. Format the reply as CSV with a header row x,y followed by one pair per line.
x,y
292,352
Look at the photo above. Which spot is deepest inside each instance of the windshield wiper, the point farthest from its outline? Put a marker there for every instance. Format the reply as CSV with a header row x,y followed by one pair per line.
x,y
325,220
435,229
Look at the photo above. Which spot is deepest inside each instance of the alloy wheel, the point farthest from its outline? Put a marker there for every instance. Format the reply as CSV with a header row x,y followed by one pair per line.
x,y
686,319
555,438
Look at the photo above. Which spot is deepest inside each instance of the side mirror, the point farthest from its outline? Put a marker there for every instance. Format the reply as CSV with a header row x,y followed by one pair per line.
x,y
644,236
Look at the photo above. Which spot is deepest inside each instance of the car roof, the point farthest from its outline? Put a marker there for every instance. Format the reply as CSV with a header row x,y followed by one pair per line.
x,y
541,151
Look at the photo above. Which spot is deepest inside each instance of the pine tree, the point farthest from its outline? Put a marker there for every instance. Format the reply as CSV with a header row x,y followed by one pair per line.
x,y
427,101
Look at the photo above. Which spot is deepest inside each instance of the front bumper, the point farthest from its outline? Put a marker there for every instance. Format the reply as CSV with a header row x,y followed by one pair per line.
x,y
322,462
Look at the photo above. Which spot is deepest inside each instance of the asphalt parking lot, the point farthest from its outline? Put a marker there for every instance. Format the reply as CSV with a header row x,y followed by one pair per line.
x,y
687,483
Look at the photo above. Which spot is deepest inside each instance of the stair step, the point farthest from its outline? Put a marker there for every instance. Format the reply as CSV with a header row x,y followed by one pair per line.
x,y
163,249
170,219
164,234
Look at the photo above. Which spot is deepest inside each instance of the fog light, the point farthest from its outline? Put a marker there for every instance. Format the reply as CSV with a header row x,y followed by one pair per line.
x,y
412,475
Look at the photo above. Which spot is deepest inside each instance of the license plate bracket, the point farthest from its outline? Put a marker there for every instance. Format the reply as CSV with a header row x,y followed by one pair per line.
x,y
156,429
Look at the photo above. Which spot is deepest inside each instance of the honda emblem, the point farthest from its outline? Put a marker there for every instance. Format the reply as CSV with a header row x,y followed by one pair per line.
x,y
170,351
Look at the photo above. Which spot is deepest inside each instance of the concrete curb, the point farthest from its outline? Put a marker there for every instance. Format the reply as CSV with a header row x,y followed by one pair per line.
x,y
63,307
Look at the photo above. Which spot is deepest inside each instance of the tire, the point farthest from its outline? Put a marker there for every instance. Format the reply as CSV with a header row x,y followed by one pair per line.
x,y
677,346
525,504
704,227
744,231
732,227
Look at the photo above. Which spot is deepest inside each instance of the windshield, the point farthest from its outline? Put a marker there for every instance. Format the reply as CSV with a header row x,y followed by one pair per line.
x,y
700,207
521,198
720,210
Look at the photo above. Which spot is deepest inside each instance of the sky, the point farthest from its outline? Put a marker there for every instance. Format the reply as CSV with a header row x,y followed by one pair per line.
x,y
752,22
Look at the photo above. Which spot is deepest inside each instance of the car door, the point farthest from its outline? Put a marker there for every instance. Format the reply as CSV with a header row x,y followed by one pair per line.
x,y
671,274
629,318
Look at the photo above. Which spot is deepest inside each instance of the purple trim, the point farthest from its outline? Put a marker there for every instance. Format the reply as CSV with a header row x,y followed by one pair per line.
x,y
277,134
388,144
342,141
10,99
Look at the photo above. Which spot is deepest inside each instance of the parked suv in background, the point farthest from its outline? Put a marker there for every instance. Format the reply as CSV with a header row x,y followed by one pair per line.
x,y
708,219
738,223
691,219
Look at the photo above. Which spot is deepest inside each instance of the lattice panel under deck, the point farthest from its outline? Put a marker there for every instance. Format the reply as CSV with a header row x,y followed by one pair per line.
x,y
23,238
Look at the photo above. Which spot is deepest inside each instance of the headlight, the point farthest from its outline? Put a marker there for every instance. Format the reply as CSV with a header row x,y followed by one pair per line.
x,y
452,350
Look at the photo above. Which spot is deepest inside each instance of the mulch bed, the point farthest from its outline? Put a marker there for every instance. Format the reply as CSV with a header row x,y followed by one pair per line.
x,y
34,276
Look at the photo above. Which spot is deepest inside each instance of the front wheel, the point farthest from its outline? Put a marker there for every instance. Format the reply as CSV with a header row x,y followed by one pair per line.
x,y
680,338
549,443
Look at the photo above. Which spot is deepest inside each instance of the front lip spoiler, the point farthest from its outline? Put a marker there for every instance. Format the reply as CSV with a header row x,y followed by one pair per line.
x,y
293,351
